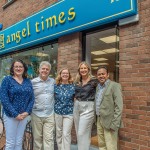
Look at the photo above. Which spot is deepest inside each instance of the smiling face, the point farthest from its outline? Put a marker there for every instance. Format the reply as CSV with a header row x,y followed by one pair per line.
x,y
44,72
64,75
18,69
83,70
102,75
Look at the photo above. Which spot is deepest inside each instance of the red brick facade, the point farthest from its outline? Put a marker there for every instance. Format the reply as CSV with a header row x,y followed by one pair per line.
x,y
134,66
135,80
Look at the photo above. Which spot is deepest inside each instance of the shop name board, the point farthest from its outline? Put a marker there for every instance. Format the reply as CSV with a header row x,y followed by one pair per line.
x,y
61,18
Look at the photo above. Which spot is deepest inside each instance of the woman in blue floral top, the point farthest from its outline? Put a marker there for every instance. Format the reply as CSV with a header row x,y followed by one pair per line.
x,y
17,99
64,98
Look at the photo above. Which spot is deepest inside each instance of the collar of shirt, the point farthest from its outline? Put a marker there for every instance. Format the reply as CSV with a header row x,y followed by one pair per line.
x,y
39,79
104,85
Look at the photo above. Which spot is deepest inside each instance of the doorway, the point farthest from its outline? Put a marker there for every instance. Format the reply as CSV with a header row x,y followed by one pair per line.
x,y
102,49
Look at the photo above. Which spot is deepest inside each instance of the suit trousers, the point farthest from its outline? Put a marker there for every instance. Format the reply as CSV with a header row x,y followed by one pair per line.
x,y
43,132
83,119
63,131
107,139
14,132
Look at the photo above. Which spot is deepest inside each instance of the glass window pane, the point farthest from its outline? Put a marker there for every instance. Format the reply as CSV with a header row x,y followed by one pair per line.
x,y
32,58
102,49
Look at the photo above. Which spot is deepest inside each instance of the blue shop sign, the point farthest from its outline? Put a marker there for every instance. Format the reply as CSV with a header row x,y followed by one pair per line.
x,y
61,18
1,26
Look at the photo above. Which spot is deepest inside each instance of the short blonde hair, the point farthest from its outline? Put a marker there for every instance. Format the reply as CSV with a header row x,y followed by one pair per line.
x,y
78,76
59,79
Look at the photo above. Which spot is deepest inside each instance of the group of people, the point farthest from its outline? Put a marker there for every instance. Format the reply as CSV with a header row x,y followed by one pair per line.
x,y
56,104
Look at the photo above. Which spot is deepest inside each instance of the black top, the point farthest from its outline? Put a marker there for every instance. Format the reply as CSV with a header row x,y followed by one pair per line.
x,y
87,91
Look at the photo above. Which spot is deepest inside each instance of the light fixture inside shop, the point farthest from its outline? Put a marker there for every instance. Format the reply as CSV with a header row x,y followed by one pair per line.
x,y
100,52
106,51
111,50
110,39
41,54
98,64
100,59
94,67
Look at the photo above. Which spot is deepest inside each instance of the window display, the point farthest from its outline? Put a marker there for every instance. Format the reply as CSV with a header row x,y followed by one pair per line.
x,y
32,58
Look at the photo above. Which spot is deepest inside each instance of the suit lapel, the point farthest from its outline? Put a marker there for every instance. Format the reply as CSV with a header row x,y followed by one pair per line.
x,y
105,90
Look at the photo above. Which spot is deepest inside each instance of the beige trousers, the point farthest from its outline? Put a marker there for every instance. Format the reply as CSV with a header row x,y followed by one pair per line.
x,y
43,132
83,119
63,131
107,139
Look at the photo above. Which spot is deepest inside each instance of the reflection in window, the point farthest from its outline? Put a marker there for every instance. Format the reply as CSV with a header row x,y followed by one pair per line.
x,y
102,50
32,58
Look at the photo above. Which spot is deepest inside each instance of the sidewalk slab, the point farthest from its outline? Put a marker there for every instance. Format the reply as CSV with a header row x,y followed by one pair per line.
x,y
74,147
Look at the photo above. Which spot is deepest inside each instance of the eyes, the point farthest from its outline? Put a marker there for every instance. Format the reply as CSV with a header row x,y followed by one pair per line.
x,y
47,69
20,67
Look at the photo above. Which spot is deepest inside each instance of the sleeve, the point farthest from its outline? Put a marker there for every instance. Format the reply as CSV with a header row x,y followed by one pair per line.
x,y
31,100
118,102
5,99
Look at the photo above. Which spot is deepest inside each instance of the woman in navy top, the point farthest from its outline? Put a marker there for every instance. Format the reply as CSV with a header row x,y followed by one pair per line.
x,y
17,100
64,95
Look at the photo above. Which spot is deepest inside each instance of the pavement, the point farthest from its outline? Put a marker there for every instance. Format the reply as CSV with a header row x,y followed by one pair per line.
x,y
74,147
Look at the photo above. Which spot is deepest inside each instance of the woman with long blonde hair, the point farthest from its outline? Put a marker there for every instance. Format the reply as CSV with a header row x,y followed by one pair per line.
x,y
85,89
64,98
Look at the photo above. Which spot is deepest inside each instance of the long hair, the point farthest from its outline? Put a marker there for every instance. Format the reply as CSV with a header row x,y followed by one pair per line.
x,y
78,78
59,79
24,75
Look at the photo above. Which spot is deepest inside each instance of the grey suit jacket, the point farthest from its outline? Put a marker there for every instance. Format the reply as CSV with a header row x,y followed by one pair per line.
x,y
111,106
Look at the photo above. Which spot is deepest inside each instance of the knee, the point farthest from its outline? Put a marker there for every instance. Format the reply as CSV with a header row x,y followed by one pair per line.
x,y
66,134
80,133
10,143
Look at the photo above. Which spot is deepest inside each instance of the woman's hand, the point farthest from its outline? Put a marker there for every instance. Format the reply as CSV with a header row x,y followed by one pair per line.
x,y
19,117
24,115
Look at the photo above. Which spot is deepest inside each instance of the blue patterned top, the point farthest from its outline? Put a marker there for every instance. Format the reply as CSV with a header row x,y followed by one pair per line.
x,y
16,98
64,98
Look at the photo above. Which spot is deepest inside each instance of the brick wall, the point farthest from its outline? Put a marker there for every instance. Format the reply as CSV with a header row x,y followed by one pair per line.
x,y
135,79
21,9
70,52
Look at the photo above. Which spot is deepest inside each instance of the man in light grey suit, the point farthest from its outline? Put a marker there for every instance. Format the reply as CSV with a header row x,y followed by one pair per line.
x,y
109,105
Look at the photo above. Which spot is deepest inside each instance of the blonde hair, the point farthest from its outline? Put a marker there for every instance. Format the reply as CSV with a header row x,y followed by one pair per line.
x,y
59,79
78,78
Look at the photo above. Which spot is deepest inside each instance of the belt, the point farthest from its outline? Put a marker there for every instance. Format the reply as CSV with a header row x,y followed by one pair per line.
x,y
85,100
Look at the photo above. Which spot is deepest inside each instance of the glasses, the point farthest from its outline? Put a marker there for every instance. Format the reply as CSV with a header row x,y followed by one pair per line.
x,y
20,67
64,73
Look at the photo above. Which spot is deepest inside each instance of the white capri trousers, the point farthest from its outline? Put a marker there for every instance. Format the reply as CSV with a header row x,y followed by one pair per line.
x,y
83,119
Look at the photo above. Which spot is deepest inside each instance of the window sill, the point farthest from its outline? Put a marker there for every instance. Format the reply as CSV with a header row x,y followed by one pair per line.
x,y
8,3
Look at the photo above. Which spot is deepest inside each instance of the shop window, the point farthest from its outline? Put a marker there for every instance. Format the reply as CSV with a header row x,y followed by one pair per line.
x,y
102,49
32,58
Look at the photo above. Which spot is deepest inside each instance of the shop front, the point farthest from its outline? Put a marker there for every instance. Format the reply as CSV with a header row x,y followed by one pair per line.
x,y
38,37
68,32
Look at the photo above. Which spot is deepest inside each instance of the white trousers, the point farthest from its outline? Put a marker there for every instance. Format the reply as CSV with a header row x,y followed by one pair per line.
x,y
14,132
63,131
83,119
